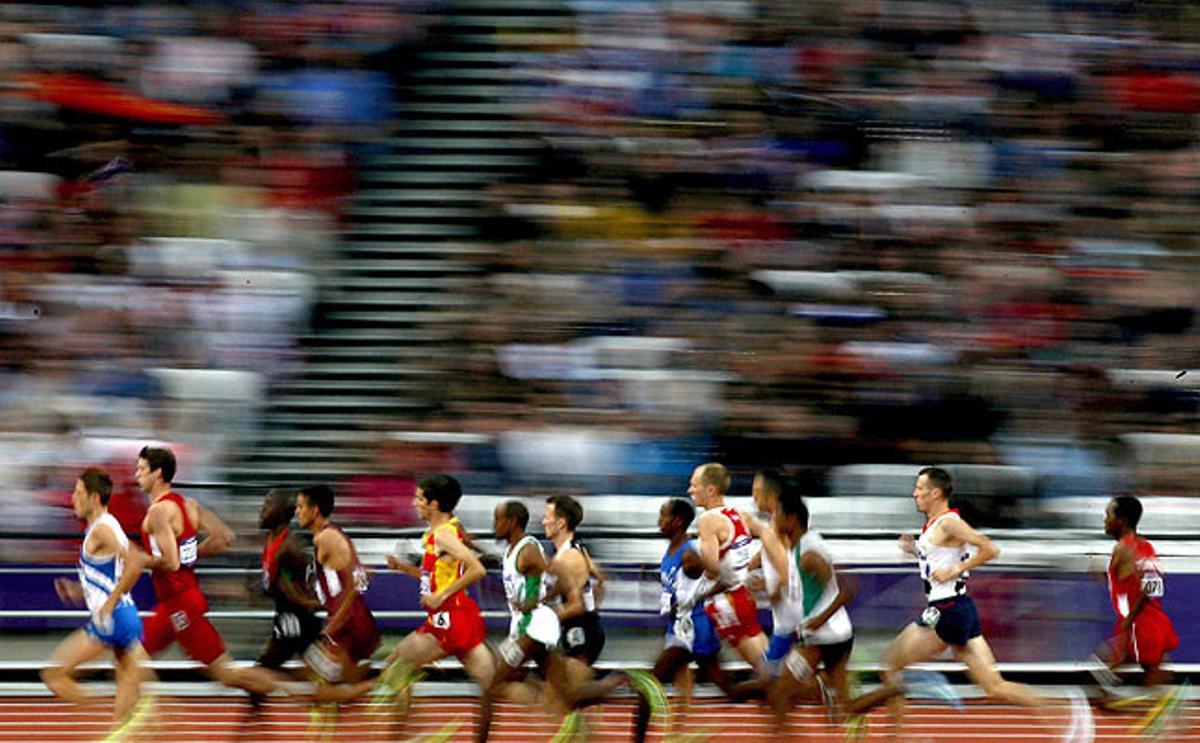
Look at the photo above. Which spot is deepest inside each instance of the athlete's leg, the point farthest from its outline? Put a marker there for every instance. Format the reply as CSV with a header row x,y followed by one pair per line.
x,y
914,644
582,689
254,680
417,650
78,648
981,668
131,672
671,661
481,664
507,666
752,648
797,679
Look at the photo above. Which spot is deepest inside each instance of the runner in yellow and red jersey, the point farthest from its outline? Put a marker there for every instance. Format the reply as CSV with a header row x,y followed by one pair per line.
x,y
455,624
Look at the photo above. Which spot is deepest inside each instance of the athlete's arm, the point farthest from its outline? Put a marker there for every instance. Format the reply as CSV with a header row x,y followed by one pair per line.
x,y
814,564
710,546
597,573
218,535
292,563
908,544
1126,565
395,563
333,552
69,591
448,543
571,573
531,564
530,560
985,549
135,561
776,553
158,524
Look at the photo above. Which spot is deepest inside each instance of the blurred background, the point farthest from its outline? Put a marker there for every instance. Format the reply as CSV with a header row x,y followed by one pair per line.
x,y
582,246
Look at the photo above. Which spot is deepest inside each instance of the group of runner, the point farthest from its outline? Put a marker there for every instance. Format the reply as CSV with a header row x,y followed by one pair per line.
x,y
711,586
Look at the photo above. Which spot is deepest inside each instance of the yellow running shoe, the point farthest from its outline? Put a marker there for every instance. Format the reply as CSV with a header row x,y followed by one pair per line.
x,y
572,728
322,721
856,728
1163,711
134,720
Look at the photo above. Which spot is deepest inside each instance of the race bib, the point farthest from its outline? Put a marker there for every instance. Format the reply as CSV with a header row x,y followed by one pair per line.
x,y
1152,585
685,630
664,603
576,637
187,551
930,616
723,612
511,653
441,620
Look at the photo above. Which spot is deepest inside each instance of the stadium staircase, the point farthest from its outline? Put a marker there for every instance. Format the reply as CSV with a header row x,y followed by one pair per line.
x,y
400,282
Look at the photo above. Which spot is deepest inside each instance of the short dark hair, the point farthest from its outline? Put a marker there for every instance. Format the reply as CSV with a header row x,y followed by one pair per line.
x,y
682,509
566,507
772,479
283,502
792,504
1128,509
516,510
939,478
443,490
159,458
320,496
96,480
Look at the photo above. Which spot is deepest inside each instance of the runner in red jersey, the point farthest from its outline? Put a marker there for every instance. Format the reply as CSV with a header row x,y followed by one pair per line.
x,y
339,581
726,545
171,534
1144,633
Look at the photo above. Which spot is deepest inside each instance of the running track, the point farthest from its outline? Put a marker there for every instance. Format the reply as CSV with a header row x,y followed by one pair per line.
x,y
219,719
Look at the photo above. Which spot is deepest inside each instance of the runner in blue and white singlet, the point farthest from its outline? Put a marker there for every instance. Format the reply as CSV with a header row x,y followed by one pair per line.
x,y
108,568
98,577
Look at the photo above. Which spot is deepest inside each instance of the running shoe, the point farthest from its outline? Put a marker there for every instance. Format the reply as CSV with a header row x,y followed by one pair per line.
x,y
856,728
930,685
133,721
648,686
828,700
322,721
572,728
1163,711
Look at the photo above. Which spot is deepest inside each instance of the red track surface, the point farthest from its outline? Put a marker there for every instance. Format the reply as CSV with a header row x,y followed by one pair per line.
x,y
219,719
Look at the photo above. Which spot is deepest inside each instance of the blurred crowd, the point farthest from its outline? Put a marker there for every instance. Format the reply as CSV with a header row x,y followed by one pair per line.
x,y
800,234
172,180
824,233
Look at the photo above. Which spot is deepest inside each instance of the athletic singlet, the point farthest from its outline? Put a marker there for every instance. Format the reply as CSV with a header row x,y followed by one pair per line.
x,y
816,598
273,566
1147,577
99,575
786,612
734,552
588,591
169,584
329,585
437,572
931,557
520,588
